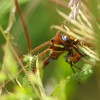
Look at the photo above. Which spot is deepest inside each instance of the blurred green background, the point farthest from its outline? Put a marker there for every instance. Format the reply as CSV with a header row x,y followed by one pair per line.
x,y
39,15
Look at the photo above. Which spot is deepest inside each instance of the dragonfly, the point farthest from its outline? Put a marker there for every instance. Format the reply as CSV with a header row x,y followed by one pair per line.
x,y
63,43
59,44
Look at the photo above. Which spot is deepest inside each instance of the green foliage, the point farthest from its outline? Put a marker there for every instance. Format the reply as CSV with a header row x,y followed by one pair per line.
x,y
32,62
23,78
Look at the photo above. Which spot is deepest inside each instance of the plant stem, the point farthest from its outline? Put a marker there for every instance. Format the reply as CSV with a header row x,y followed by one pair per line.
x,y
58,2
23,24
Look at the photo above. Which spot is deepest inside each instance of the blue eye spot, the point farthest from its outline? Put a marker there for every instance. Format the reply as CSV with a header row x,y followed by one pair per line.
x,y
50,59
64,38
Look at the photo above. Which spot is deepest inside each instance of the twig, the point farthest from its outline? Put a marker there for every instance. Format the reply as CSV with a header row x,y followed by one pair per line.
x,y
5,83
24,25
11,17
58,2
61,26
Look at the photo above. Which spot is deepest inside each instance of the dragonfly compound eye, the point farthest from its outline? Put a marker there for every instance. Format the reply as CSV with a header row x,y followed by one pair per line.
x,y
64,38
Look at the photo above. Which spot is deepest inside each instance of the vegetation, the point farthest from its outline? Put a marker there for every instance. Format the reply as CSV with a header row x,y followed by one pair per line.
x,y
26,27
